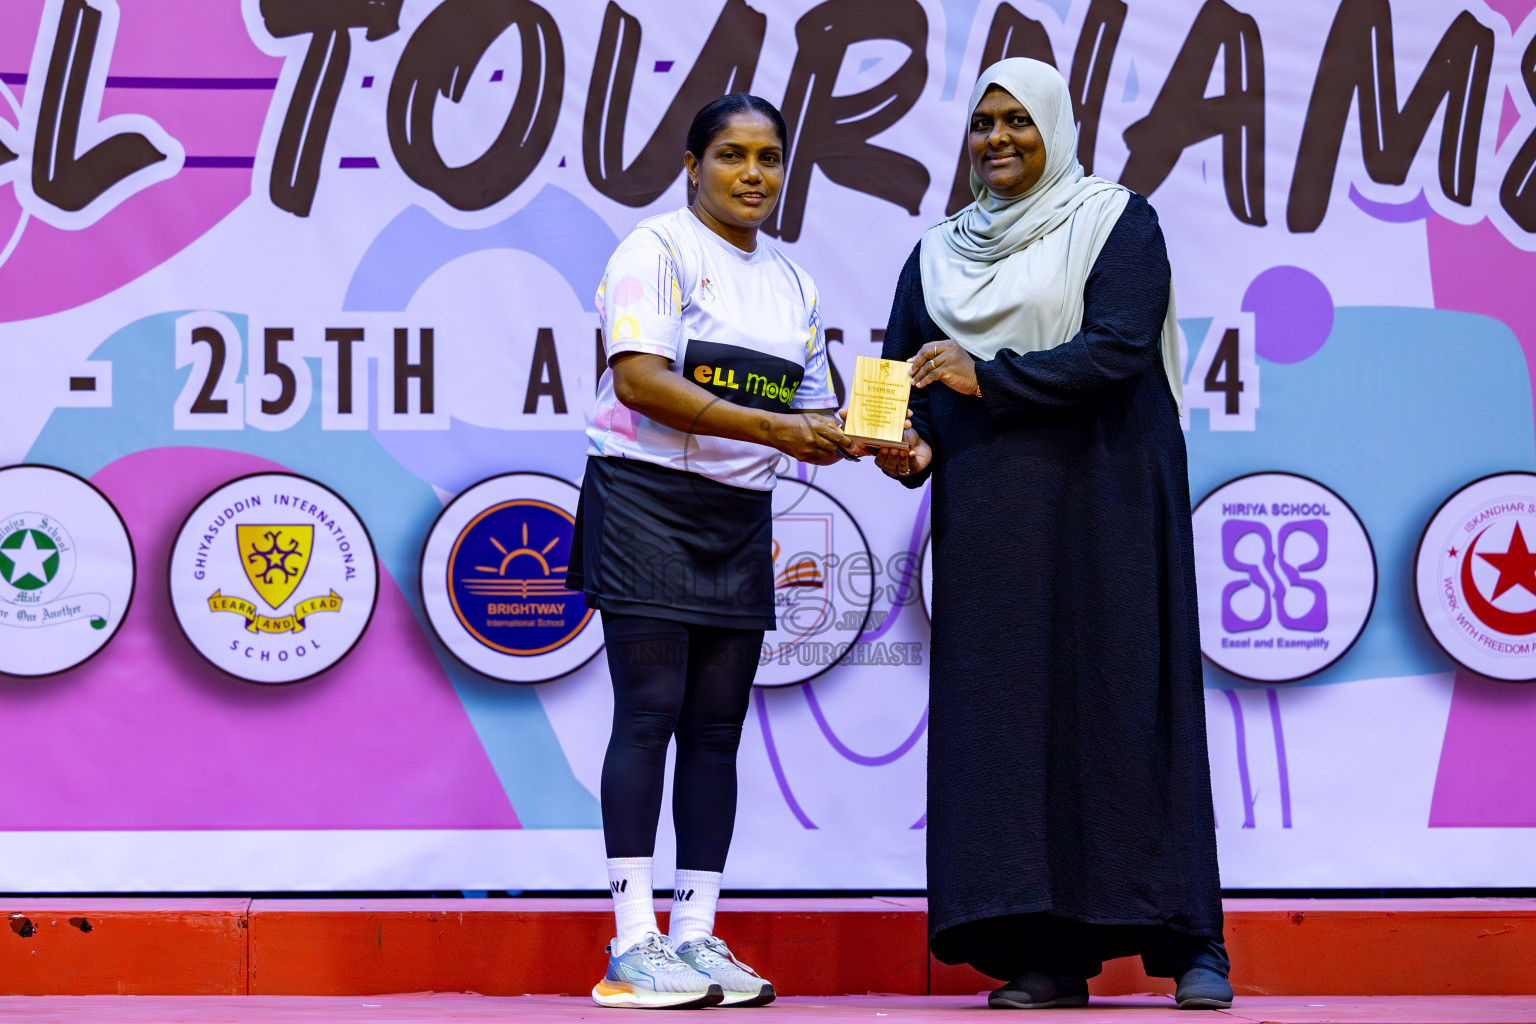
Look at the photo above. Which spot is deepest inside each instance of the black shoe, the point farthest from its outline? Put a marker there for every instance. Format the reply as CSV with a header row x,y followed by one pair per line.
x,y
1201,988
1035,991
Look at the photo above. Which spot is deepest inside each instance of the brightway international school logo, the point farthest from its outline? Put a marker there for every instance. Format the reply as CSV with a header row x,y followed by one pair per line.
x,y
66,571
493,580
1286,577
273,578
1476,577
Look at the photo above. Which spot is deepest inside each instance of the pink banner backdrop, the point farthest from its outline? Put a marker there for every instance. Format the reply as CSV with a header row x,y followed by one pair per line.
x,y
360,243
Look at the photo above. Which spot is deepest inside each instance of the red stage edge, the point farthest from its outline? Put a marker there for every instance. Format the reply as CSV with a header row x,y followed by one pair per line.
x,y
808,947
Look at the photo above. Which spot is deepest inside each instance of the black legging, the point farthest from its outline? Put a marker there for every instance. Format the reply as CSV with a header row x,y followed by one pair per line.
x,y
694,682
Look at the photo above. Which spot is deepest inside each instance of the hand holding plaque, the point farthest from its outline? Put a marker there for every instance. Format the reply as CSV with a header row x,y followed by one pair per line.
x,y
877,402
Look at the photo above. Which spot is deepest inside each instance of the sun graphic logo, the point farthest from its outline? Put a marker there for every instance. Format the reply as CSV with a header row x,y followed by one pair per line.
x,y
493,580
1476,577
63,591
510,593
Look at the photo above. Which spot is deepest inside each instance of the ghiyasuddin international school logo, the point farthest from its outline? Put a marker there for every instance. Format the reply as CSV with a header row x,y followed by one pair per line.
x,y
66,570
275,557
1476,577
273,578
1286,577
493,580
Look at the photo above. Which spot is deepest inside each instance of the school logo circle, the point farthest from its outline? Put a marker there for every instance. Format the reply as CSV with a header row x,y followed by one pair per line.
x,y
824,586
273,578
493,580
1286,577
1475,574
66,570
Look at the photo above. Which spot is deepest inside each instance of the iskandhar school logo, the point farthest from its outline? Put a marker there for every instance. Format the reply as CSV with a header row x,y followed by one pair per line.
x,y
66,570
1476,577
493,580
273,578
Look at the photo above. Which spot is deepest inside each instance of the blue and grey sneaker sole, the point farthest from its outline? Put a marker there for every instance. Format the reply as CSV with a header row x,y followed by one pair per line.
x,y
622,994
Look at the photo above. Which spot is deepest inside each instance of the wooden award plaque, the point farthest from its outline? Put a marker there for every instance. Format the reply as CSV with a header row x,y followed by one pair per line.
x,y
877,402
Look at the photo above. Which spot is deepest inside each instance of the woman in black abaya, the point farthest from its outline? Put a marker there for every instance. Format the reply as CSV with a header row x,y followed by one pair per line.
x,y
1069,804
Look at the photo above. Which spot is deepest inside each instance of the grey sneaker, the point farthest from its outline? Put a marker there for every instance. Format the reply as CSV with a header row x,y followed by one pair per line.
x,y
649,975
742,985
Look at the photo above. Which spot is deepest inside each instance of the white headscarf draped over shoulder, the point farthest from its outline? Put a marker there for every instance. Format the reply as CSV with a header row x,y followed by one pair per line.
x,y
1009,273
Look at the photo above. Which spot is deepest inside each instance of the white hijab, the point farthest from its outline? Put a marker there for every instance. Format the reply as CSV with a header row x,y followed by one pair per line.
x,y
1009,273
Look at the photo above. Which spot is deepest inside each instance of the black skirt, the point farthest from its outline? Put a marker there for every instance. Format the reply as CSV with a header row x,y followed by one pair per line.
x,y
673,545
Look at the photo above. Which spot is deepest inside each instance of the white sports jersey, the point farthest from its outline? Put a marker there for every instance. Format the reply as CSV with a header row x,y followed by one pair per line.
x,y
745,326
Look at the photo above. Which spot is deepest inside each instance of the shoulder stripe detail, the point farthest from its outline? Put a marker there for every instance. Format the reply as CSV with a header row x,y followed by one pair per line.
x,y
669,291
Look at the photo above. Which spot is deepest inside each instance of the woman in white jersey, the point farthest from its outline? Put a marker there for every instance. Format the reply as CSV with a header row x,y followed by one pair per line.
x,y
717,370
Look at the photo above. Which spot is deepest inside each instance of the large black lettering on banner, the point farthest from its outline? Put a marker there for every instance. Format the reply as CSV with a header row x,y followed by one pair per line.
x,y
726,64
832,132
1357,61
1183,115
1517,193
61,176
1014,35
544,374
1011,35
1090,72
300,153
438,61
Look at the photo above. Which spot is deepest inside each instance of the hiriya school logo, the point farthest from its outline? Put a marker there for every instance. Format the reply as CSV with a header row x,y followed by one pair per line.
x,y
1286,576
273,578
493,580
823,585
66,570
1476,577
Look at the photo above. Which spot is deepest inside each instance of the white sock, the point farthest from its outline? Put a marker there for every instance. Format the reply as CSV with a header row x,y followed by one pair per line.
x,y
629,878
694,896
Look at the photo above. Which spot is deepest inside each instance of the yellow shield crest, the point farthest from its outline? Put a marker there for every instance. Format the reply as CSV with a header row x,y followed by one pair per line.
x,y
275,558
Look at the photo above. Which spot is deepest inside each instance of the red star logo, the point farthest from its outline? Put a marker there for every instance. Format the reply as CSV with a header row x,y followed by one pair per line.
x,y
1453,552
1517,566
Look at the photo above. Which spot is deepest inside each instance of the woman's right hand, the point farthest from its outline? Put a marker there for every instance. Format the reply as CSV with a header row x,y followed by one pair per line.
x,y
896,463
809,437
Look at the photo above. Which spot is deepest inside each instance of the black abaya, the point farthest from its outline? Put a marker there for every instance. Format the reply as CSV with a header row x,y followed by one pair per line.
x,y
1069,802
